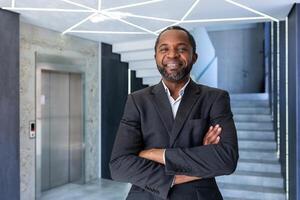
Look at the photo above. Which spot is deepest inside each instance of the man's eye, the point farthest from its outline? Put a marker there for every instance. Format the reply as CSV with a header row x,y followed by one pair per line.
x,y
182,50
163,50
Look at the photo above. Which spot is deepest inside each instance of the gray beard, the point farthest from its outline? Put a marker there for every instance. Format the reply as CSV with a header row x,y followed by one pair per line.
x,y
174,77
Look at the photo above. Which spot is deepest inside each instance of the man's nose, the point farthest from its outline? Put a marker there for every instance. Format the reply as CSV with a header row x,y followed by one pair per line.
x,y
173,53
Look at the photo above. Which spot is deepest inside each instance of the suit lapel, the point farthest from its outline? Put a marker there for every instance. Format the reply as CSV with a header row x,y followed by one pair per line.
x,y
162,106
190,96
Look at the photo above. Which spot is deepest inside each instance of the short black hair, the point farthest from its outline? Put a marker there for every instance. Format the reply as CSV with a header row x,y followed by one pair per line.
x,y
190,37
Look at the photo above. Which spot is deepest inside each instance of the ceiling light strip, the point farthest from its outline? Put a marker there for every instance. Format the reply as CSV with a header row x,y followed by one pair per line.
x,y
182,19
133,5
225,19
79,5
47,9
190,10
129,23
99,5
82,21
148,17
252,10
107,32
13,3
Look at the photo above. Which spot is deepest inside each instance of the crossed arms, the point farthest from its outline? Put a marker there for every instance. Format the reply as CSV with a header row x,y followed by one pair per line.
x,y
129,163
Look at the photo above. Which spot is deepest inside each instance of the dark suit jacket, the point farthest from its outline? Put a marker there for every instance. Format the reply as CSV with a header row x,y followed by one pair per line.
x,y
148,123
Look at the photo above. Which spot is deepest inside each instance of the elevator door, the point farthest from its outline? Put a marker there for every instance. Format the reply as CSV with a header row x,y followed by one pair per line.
x,y
61,129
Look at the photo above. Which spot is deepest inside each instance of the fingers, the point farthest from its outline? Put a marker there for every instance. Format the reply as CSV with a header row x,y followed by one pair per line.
x,y
213,135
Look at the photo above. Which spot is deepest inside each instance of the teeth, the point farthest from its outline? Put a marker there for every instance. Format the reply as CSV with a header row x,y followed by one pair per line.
x,y
171,65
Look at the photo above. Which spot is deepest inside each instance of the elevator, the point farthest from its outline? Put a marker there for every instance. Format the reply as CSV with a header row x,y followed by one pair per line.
x,y
60,129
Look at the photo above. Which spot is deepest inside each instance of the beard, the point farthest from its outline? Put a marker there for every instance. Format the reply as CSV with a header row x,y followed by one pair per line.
x,y
177,75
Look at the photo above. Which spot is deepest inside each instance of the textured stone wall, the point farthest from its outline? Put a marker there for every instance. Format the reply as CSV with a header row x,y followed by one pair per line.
x,y
35,39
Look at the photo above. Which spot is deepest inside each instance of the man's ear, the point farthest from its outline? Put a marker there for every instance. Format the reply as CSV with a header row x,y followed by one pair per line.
x,y
195,57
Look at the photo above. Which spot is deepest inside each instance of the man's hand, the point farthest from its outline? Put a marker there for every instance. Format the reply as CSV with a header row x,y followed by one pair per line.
x,y
213,135
157,155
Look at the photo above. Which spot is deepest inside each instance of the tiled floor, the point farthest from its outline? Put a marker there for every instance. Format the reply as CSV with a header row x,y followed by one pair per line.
x,y
99,190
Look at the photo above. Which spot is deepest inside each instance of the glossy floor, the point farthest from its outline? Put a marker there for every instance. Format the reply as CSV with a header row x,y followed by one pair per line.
x,y
99,190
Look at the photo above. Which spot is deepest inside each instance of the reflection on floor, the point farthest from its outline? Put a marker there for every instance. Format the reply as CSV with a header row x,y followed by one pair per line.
x,y
99,190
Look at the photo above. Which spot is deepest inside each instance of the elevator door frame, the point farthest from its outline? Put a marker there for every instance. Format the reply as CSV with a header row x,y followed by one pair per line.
x,y
57,68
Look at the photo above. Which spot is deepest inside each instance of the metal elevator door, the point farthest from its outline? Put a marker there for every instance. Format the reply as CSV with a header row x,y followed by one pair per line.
x,y
61,129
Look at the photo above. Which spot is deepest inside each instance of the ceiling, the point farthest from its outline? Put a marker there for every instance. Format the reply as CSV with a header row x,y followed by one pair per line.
x,y
142,18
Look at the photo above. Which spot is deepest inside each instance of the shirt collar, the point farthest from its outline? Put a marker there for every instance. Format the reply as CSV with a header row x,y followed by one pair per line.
x,y
181,91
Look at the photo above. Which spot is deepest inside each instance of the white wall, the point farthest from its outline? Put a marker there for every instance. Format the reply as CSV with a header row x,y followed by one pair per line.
x,y
206,56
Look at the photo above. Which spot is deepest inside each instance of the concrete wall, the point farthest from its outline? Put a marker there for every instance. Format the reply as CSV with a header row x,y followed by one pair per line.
x,y
240,58
34,39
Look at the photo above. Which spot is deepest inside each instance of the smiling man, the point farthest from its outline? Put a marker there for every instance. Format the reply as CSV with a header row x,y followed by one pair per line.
x,y
177,136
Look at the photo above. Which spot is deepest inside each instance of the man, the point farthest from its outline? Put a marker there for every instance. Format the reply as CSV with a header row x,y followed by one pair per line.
x,y
169,144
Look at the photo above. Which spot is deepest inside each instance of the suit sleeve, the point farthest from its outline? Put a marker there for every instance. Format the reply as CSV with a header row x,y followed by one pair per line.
x,y
127,166
209,160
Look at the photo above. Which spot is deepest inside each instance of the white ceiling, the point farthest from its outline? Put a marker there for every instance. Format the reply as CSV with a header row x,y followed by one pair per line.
x,y
143,24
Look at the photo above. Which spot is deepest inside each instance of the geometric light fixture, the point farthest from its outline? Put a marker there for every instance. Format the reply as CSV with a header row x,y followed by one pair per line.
x,y
100,15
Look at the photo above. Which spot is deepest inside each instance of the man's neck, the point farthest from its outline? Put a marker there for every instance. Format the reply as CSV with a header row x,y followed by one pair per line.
x,y
175,86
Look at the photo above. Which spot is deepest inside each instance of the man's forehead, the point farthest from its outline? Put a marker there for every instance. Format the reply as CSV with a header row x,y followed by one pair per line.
x,y
178,35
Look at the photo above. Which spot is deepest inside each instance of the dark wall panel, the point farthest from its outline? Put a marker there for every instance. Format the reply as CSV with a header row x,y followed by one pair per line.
x,y
114,91
282,97
294,100
136,83
9,106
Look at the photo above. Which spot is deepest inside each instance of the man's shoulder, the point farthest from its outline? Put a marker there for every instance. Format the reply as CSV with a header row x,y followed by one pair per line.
x,y
142,92
211,90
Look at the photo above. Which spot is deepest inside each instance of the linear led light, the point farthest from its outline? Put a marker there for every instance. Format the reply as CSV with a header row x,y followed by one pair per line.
x,y
190,10
13,3
129,23
99,5
100,17
148,17
182,19
79,5
252,10
133,5
48,9
108,32
81,22
225,19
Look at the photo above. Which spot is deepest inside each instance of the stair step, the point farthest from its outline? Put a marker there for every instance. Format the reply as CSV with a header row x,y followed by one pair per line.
x,y
268,145
252,118
151,80
249,192
137,55
259,167
251,178
141,73
249,96
249,103
256,135
268,126
250,110
257,154
134,45
142,64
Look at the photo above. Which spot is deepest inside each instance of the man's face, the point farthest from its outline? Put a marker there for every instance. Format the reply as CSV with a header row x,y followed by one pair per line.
x,y
174,55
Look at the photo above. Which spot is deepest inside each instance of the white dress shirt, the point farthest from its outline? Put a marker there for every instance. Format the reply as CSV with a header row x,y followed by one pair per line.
x,y
174,105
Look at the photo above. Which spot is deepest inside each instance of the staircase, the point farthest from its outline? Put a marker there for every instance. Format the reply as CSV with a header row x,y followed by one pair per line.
x,y
258,174
140,57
